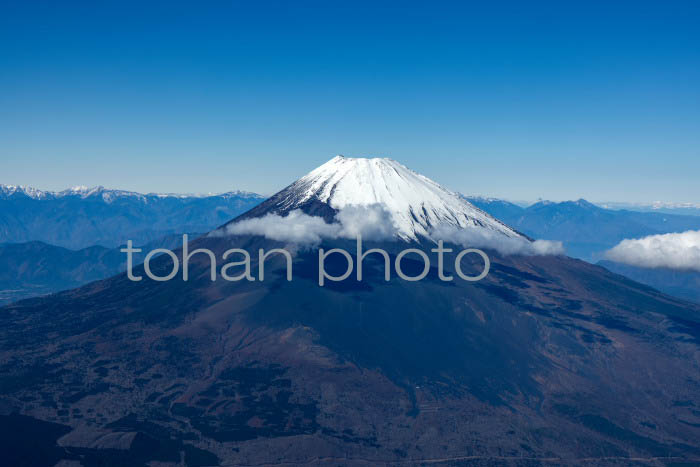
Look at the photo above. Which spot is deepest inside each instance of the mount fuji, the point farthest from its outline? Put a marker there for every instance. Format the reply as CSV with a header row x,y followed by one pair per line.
x,y
546,361
415,203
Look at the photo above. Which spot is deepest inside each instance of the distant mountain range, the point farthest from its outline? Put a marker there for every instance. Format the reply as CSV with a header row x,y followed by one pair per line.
x,y
688,209
81,217
587,230
108,195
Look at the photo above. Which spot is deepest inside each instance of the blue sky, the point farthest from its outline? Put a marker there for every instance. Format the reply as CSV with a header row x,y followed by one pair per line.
x,y
519,100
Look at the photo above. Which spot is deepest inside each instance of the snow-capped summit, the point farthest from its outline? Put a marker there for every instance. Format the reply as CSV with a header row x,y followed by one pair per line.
x,y
415,202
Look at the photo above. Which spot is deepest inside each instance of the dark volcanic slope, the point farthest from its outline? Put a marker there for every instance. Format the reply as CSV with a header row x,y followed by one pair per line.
x,y
548,360
682,284
36,268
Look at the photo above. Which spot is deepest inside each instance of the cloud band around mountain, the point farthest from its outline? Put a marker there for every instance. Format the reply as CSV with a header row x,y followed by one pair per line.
x,y
374,222
483,238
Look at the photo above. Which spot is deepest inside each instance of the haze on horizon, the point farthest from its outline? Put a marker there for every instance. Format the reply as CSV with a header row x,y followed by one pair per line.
x,y
521,102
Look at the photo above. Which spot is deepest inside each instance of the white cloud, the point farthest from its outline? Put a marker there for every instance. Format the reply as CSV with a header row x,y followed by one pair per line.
x,y
483,238
373,222
296,227
673,251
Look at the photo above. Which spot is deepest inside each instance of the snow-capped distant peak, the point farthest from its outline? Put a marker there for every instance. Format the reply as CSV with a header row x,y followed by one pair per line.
x,y
109,195
82,191
661,205
416,203
9,190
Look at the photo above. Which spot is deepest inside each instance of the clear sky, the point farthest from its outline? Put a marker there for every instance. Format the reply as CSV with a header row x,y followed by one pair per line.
x,y
520,100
